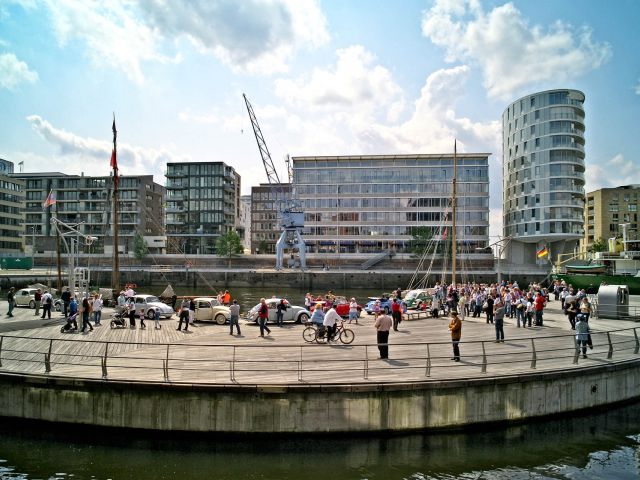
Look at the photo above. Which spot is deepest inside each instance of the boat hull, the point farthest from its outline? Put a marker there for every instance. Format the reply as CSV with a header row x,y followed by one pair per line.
x,y
591,283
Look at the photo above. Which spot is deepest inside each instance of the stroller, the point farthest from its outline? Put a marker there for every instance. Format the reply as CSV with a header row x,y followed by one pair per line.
x,y
118,320
71,326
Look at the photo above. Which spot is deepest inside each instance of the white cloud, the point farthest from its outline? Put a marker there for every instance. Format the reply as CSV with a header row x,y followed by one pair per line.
x,y
256,36
511,53
14,72
614,172
353,83
76,152
188,116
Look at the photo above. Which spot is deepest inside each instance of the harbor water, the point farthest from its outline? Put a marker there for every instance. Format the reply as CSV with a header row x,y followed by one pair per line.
x,y
602,445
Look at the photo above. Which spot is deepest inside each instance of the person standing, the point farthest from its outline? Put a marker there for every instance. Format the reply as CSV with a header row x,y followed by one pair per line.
x,y
263,317
184,315
192,311
156,317
382,325
85,315
174,299
66,300
498,318
455,326
141,317
234,310
489,303
280,309
47,302
330,319
37,297
73,306
396,313
97,309
539,306
11,300
353,310
132,314
582,335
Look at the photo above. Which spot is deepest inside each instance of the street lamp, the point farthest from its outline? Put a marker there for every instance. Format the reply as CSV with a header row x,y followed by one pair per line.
x,y
33,243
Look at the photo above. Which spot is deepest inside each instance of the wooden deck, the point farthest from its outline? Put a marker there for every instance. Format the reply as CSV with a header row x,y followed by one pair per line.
x,y
420,351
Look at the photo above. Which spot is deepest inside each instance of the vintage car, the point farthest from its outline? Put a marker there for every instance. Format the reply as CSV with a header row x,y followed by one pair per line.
x,y
415,298
291,314
211,310
385,304
149,303
341,305
25,297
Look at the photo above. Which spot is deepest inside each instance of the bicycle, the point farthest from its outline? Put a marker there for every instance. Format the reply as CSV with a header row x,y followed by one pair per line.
x,y
345,335
309,333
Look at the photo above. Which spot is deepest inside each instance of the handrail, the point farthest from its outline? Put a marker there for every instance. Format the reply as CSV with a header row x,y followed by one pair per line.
x,y
223,364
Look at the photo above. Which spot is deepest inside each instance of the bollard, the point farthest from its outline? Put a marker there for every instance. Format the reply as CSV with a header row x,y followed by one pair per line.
x,y
427,372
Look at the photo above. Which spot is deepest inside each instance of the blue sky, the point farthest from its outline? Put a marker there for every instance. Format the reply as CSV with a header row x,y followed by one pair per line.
x,y
325,78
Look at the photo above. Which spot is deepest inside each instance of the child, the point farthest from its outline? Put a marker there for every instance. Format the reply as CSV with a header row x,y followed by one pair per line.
x,y
157,318
141,314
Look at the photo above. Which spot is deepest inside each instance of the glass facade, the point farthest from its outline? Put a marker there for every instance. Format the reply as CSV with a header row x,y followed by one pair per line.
x,y
543,167
203,201
368,204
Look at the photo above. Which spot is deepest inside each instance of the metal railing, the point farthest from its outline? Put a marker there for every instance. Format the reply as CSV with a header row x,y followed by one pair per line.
x,y
217,364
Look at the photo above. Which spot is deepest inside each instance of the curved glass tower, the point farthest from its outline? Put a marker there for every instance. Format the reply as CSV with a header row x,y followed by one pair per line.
x,y
543,173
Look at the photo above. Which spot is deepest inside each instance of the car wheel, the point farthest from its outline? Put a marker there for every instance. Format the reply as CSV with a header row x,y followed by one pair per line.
x,y
303,318
32,304
57,307
221,319
151,314
419,306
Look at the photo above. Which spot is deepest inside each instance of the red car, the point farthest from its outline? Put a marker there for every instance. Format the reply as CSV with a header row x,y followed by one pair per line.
x,y
341,305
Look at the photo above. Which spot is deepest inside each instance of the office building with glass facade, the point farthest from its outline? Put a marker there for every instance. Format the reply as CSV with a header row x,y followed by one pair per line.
x,y
373,203
87,202
11,211
203,202
543,174
265,219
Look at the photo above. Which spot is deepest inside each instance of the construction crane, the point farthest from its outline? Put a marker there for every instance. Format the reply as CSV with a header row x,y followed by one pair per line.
x,y
290,212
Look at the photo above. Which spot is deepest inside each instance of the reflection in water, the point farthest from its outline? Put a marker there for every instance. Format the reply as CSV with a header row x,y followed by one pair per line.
x,y
596,446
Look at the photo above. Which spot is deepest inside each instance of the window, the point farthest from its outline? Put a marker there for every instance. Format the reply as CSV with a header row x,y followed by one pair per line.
x,y
633,207
613,207
537,142
533,130
537,115
533,102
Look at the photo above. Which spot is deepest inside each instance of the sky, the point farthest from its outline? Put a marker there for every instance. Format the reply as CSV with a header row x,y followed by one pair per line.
x,y
325,77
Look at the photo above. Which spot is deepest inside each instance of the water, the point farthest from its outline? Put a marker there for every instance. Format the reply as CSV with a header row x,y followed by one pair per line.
x,y
603,445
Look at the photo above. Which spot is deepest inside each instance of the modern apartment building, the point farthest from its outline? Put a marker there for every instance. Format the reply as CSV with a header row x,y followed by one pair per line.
x,y
265,220
245,221
375,203
203,202
11,211
543,174
606,209
87,202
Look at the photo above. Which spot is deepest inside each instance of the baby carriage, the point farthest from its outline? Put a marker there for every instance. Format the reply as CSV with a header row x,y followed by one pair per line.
x,y
118,320
71,325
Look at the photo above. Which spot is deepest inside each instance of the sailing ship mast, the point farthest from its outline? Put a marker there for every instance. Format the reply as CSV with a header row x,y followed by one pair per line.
x,y
115,273
453,209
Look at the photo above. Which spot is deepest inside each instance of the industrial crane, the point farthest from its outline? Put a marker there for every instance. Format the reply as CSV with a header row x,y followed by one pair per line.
x,y
290,212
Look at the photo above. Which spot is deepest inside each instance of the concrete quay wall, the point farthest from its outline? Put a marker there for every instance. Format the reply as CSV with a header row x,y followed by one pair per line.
x,y
319,408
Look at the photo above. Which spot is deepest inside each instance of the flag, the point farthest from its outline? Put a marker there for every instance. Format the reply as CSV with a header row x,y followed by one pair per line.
x,y
114,159
543,252
50,200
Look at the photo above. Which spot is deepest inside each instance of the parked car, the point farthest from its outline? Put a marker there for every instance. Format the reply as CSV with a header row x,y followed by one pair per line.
x,y
150,303
385,304
291,314
415,298
26,297
341,305
210,309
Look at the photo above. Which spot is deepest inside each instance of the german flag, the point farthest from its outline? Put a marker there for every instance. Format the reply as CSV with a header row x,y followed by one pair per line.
x,y
543,252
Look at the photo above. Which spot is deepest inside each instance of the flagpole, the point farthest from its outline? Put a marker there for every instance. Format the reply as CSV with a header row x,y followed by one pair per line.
x,y
115,274
453,222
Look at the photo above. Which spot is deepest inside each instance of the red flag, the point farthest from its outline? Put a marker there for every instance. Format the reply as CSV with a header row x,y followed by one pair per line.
x,y
50,200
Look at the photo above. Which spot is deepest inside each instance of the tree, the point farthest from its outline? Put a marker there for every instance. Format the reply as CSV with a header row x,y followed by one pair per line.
x,y
599,245
140,248
422,237
262,246
229,245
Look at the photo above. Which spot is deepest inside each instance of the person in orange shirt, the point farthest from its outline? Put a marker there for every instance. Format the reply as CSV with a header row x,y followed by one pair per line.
x,y
226,298
455,326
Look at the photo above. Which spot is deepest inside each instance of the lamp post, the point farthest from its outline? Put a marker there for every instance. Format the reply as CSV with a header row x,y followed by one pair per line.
x,y
33,243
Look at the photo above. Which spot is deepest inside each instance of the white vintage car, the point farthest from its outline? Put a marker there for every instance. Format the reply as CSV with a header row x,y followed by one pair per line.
x,y
149,303
210,309
291,314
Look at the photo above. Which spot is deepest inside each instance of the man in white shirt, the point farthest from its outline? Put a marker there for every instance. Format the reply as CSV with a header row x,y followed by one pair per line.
x,y
330,319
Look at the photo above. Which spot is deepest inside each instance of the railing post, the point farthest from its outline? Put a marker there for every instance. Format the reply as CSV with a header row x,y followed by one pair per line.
x,y
534,355
576,354
366,362
165,365
610,354
2,338
104,360
47,358
232,367
635,334
427,372
300,366
484,359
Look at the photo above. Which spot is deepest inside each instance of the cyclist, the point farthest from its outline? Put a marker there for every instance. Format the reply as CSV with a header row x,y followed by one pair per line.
x,y
317,317
330,319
